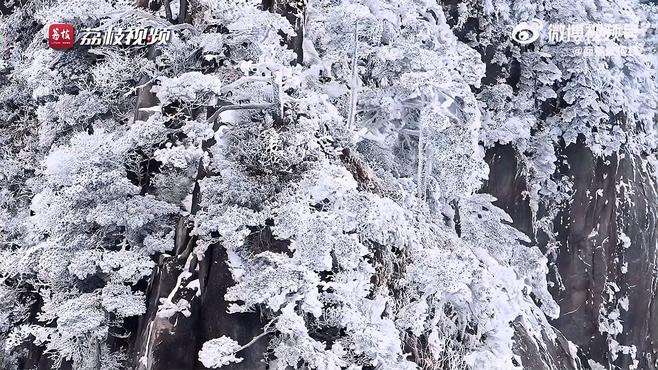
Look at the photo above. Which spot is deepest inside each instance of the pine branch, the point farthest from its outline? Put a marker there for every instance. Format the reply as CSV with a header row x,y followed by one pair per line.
x,y
226,108
354,81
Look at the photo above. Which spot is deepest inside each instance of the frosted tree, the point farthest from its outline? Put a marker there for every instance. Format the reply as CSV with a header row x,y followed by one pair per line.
x,y
567,114
304,185
82,236
323,285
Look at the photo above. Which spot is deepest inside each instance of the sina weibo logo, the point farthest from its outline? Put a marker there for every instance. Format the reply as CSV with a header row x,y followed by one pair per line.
x,y
527,32
61,36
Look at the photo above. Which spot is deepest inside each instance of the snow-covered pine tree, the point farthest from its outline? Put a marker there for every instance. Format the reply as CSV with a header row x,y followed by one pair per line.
x,y
581,130
304,184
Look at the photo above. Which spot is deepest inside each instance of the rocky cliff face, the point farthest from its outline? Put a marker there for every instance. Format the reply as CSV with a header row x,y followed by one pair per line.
x,y
607,259
607,251
174,342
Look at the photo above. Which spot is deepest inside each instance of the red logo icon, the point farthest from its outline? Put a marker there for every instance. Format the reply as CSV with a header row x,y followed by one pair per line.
x,y
61,36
